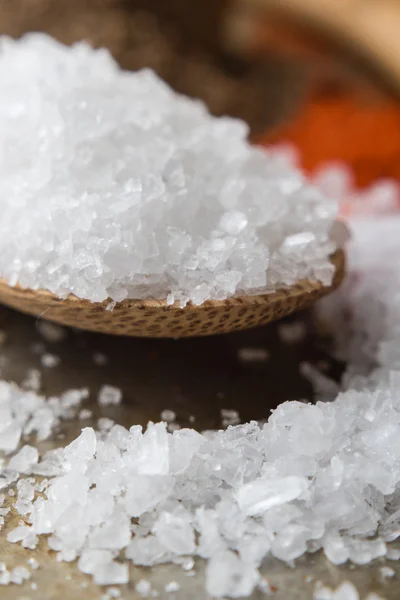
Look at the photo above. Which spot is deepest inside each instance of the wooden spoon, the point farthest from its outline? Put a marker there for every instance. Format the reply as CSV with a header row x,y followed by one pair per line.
x,y
154,318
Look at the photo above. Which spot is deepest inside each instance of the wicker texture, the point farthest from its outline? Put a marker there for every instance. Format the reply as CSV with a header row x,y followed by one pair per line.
x,y
153,318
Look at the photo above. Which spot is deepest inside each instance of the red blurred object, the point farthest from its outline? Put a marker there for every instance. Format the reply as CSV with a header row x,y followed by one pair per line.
x,y
366,136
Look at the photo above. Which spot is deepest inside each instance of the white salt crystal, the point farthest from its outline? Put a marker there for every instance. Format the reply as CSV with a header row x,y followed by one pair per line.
x,y
5,577
393,554
51,332
322,592
229,417
111,573
175,533
24,459
109,395
143,588
100,209
32,380
387,572
114,592
33,563
168,415
50,360
172,586
253,355
374,596
259,496
346,591
292,333
227,575
85,414
105,424
19,574
100,359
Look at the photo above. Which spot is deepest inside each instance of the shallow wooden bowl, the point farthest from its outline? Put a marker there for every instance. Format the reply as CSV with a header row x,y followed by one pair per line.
x,y
154,318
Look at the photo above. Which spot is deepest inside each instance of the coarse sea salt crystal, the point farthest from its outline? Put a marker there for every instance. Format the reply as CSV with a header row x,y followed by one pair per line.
x,y
143,588
172,586
253,355
19,574
315,476
109,395
141,193
51,332
24,459
49,360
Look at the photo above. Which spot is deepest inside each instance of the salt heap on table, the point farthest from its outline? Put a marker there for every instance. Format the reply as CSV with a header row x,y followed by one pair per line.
x,y
123,188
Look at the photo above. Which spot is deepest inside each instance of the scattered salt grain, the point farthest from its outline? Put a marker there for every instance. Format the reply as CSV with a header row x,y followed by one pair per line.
x,y
113,592
387,572
51,332
105,424
292,333
393,554
100,359
85,414
325,389
229,417
34,586
38,348
227,575
253,355
168,416
19,574
50,360
33,563
32,380
172,586
171,427
109,395
143,588
97,182
265,586
346,591
5,577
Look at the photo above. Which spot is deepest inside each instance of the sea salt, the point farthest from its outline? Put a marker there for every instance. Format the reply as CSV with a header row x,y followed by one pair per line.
x,y
229,417
387,572
172,586
51,332
168,415
100,359
253,355
109,395
50,360
141,193
19,574
143,588
292,333
321,476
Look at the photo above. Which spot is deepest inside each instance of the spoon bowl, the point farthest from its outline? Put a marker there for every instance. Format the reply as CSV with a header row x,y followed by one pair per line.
x,y
154,318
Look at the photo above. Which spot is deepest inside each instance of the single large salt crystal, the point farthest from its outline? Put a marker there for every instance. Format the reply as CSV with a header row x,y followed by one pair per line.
x,y
259,496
